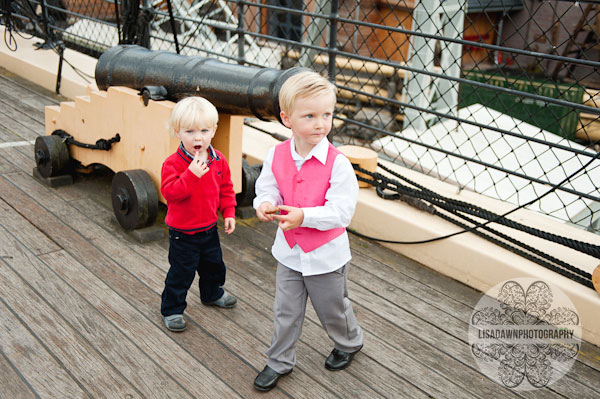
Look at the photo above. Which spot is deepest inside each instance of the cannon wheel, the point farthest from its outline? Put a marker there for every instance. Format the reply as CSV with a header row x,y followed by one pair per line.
x,y
134,199
51,156
249,176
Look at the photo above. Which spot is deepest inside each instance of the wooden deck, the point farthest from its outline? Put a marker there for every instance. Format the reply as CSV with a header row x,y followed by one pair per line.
x,y
80,300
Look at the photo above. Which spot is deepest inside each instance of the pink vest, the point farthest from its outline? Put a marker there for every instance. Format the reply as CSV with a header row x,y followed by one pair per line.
x,y
304,188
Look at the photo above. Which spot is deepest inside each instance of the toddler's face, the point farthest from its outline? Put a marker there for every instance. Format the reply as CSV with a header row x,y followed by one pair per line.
x,y
310,119
197,138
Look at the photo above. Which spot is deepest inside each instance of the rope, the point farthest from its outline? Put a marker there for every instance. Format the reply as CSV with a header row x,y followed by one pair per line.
x,y
590,249
11,22
430,201
173,27
575,277
6,16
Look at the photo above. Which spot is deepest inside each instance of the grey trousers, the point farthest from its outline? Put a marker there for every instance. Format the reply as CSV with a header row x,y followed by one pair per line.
x,y
329,296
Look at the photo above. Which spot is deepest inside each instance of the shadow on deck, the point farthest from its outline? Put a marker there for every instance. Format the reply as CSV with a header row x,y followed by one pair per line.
x,y
80,300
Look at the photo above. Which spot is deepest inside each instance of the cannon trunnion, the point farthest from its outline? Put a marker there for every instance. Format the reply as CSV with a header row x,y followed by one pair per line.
x,y
122,127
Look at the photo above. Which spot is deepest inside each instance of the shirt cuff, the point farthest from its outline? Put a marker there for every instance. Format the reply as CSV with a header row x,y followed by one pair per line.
x,y
229,212
310,215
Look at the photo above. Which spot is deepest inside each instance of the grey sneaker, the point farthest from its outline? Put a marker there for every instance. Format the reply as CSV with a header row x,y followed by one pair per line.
x,y
175,322
226,301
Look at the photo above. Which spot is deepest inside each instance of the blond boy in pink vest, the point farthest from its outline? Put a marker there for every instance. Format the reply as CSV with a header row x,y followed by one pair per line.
x,y
314,187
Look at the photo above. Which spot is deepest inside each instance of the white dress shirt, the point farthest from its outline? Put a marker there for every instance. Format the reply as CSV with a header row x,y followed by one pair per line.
x,y
340,202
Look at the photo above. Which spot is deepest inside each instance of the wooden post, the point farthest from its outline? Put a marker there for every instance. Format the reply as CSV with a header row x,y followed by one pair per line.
x,y
596,279
364,157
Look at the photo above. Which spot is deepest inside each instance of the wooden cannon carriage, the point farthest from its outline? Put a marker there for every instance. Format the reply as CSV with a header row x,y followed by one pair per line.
x,y
123,125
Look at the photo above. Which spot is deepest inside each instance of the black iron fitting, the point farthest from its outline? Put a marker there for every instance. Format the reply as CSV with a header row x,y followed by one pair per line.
x,y
101,144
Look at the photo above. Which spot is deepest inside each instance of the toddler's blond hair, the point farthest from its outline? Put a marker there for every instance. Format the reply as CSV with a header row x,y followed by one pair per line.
x,y
192,112
301,85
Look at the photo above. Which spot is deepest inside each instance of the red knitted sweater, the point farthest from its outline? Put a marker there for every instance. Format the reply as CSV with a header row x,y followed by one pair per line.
x,y
193,201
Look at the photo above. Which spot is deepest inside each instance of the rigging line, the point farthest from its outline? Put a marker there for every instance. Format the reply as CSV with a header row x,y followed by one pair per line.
x,y
473,228
589,249
78,71
457,208
522,245
518,251
538,257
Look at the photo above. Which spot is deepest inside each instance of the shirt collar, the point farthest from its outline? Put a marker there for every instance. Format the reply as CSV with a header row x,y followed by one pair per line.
x,y
319,151
212,155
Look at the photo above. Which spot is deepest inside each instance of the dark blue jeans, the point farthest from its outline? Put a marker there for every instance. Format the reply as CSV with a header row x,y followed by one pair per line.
x,y
188,254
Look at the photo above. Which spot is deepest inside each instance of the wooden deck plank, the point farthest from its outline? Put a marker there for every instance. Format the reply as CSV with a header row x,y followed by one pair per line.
x,y
147,377
582,371
11,130
393,281
374,284
23,125
21,158
12,383
25,233
396,263
428,332
5,165
580,374
22,108
33,95
99,270
86,365
146,334
24,101
43,373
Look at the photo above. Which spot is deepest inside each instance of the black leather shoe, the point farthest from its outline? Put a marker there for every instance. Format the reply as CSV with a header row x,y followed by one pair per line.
x,y
267,379
339,360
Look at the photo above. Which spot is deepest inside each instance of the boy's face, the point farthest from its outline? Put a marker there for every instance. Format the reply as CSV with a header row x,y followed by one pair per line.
x,y
197,138
310,120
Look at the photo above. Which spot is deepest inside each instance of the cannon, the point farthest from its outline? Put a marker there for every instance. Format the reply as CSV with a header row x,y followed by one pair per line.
x,y
122,124
233,89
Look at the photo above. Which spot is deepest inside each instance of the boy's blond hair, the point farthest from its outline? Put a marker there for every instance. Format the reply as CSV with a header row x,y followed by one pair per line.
x,y
192,112
301,85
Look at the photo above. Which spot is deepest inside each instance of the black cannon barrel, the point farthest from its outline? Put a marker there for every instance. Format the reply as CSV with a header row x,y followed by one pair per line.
x,y
233,89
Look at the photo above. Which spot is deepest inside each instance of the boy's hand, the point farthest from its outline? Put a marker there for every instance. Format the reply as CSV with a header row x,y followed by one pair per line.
x,y
197,166
229,225
293,219
266,211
